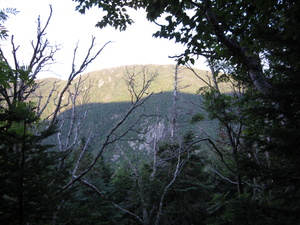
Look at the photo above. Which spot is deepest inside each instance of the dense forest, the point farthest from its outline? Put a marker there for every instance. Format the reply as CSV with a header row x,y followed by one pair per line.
x,y
152,144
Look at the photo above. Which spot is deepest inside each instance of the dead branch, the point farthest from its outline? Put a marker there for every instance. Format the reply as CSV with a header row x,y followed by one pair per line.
x,y
138,82
89,58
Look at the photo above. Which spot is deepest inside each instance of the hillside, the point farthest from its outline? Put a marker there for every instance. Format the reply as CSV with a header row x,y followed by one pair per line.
x,y
108,85
105,98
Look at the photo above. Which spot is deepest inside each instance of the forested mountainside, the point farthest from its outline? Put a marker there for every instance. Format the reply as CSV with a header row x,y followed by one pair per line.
x,y
105,97
153,118
111,85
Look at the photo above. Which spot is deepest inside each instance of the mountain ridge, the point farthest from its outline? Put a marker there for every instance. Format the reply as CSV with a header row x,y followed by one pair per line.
x,y
109,85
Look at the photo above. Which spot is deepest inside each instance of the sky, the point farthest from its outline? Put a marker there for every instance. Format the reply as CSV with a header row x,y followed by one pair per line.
x,y
68,27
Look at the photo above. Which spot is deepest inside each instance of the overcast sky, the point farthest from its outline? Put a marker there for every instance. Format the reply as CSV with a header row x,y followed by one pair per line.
x,y
133,46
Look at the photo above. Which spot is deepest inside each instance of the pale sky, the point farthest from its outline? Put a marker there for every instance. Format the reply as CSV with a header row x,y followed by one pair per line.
x,y
133,46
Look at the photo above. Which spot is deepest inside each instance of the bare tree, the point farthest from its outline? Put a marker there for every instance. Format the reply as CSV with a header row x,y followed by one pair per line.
x,y
176,109
138,82
139,95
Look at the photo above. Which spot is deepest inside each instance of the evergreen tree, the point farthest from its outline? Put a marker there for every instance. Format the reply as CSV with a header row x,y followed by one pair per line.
x,y
85,205
30,180
29,177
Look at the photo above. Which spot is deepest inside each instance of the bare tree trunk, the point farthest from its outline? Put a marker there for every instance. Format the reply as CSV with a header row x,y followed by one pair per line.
x,y
174,106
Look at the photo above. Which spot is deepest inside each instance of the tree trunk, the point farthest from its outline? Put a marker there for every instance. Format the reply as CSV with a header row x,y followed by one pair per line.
x,y
252,64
